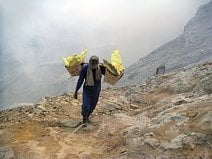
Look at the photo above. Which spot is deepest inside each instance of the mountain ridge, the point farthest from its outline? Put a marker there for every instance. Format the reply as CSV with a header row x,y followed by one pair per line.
x,y
190,48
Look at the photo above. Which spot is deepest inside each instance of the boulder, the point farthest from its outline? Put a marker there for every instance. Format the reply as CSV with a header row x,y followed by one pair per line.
x,y
6,153
189,143
205,122
152,142
134,142
176,142
133,106
71,123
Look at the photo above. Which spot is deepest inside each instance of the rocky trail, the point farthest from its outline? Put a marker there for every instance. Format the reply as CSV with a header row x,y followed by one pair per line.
x,y
167,116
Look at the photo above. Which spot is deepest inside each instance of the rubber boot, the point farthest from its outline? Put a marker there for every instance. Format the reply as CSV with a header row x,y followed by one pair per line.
x,y
85,121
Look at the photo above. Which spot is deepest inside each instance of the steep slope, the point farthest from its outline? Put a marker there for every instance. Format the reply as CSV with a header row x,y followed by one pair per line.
x,y
192,47
165,117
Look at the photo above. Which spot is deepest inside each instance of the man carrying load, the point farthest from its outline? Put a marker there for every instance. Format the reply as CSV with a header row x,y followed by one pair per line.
x,y
91,76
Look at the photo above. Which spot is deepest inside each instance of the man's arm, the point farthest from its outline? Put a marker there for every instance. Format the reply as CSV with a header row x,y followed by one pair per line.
x,y
80,80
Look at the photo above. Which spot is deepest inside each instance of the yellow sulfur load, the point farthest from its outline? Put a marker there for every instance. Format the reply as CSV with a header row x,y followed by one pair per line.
x,y
114,70
117,62
75,59
115,66
73,63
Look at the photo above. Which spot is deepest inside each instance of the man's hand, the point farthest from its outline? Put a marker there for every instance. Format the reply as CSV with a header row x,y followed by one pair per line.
x,y
75,95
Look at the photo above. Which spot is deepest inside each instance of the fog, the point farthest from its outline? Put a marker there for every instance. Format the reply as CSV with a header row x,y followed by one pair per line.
x,y
36,34
46,30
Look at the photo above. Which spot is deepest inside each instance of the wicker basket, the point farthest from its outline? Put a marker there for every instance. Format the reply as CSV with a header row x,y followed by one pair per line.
x,y
74,70
110,78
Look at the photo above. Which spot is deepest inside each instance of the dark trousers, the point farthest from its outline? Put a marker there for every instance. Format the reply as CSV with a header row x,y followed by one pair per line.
x,y
89,100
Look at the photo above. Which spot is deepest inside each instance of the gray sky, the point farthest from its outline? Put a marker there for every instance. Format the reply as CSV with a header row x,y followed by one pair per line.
x,y
34,31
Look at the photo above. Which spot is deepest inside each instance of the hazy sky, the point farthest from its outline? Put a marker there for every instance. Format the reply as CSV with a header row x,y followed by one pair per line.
x,y
45,30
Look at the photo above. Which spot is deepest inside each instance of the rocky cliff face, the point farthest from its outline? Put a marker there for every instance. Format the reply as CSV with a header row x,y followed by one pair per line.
x,y
190,48
168,116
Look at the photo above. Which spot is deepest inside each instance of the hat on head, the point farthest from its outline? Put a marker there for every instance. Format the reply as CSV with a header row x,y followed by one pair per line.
x,y
93,62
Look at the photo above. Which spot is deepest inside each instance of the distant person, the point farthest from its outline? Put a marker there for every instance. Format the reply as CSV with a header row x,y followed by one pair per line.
x,y
91,76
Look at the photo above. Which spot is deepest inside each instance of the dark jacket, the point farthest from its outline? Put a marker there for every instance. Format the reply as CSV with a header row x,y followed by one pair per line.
x,y
82,77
